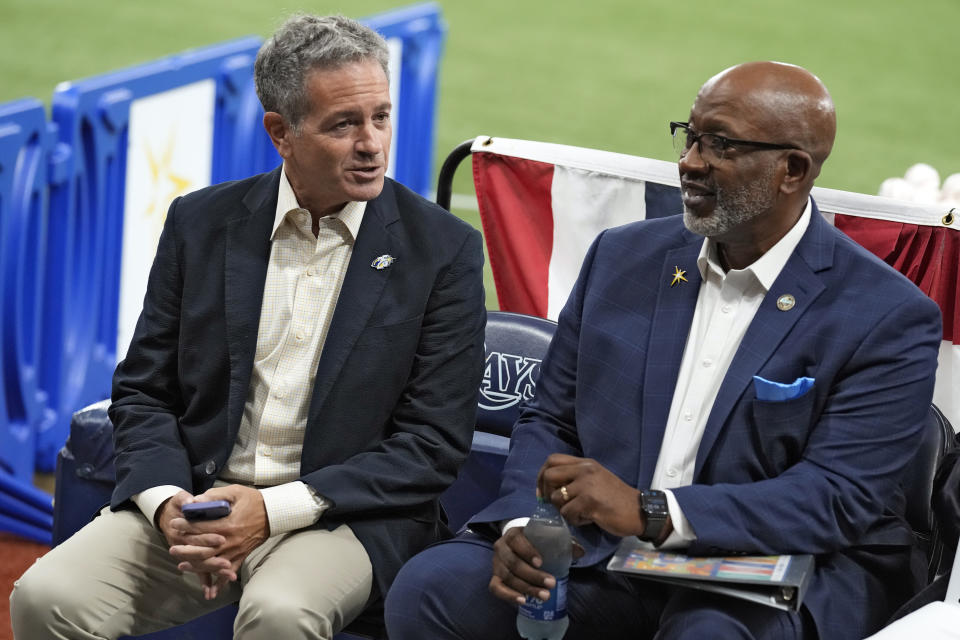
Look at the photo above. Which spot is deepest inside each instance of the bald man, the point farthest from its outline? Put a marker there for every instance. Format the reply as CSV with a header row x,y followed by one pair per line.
x,y
743,379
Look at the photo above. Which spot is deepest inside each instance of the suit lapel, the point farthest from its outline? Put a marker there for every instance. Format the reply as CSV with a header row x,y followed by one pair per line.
x,y
362,287
245,270
770,325
668,335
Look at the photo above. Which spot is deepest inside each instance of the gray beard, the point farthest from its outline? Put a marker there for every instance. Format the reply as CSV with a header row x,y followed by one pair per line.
x,y
734,207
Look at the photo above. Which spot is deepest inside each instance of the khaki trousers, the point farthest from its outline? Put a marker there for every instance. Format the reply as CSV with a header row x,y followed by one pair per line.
x,y
116,577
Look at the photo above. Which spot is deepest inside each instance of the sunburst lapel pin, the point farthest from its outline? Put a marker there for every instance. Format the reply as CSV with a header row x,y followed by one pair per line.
x,y
678,276
382,262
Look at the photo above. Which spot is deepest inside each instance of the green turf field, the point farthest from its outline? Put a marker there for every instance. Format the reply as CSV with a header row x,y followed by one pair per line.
x,y
607,74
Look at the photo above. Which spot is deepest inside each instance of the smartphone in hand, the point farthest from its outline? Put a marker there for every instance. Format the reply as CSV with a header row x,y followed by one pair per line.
x,y
206,510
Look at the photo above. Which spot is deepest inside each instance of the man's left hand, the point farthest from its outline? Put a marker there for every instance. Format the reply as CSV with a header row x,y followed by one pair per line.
x,y
586,492
244,529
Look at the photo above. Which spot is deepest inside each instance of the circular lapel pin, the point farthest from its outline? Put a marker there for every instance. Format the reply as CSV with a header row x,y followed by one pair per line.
x,y
786,302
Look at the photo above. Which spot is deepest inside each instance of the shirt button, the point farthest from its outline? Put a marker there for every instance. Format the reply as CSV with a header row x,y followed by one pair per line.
x,y
672,472
725,308
299,336
688,416
210,468
310,271
278,393
266,451
708,363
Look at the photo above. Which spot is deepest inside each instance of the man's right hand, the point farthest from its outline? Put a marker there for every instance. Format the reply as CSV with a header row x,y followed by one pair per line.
x,y
515,569
172,508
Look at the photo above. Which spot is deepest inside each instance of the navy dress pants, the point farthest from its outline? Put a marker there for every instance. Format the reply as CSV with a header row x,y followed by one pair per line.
x,y
442,594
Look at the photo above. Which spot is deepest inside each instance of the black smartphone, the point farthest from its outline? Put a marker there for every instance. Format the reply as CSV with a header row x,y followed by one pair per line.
x,y
206,510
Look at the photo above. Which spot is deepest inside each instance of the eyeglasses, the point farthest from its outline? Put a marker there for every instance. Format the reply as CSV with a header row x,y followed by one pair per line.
x,y
711,146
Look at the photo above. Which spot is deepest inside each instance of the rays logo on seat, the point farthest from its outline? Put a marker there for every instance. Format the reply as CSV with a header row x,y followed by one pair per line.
x,y
507,379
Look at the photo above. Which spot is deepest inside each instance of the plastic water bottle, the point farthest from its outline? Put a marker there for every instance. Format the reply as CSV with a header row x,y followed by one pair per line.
x,y
548,533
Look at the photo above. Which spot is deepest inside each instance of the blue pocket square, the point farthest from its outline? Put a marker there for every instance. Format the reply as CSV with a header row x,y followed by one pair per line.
x,y
770,391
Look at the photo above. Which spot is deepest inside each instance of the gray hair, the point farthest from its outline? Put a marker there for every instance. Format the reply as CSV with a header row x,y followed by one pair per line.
x,y
304,43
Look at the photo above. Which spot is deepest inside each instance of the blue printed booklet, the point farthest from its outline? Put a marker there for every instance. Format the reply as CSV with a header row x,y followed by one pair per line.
x,y
776,581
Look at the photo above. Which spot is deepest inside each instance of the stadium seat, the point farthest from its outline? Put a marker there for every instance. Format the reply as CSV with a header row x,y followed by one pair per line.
x,y
84,474
515,345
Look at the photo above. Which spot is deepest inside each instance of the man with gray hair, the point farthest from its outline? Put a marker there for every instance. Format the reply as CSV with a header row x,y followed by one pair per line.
x,y
307,361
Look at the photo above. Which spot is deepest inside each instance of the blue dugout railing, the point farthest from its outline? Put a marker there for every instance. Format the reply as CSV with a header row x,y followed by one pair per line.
x,y
421,32
62,194
83,270
26,140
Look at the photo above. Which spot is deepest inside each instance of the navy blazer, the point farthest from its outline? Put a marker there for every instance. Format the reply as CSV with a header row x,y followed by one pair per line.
x,y
394,400
818,474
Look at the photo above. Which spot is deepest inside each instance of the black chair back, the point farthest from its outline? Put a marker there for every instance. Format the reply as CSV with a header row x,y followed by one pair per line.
x,y
515,345
918,489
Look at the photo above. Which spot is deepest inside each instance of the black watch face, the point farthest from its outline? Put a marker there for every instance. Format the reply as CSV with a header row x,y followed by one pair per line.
x,y
656,511
655,504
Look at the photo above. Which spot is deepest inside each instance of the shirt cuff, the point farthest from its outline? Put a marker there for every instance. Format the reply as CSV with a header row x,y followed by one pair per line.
x,y
682,534
149,500
291,506
506,525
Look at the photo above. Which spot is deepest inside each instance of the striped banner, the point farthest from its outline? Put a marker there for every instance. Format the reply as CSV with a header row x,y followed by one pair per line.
x,y
543,204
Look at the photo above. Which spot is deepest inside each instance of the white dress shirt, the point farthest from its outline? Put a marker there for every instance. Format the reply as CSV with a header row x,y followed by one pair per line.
x,y
726,305
303,281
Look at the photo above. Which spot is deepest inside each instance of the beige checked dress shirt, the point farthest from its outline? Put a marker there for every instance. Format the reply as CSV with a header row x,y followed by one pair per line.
x,y
300,293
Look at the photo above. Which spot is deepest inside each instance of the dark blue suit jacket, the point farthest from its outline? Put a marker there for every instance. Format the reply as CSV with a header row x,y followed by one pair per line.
x,y
818,474
394,401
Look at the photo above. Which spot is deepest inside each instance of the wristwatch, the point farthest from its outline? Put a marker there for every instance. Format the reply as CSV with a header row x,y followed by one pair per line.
x,y
653,504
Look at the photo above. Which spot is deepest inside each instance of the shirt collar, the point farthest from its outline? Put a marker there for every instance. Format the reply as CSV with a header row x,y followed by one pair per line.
x,y
351,215
768,266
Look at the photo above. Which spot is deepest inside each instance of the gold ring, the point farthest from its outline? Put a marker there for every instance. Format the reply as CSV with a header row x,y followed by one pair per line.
x,y
563,492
